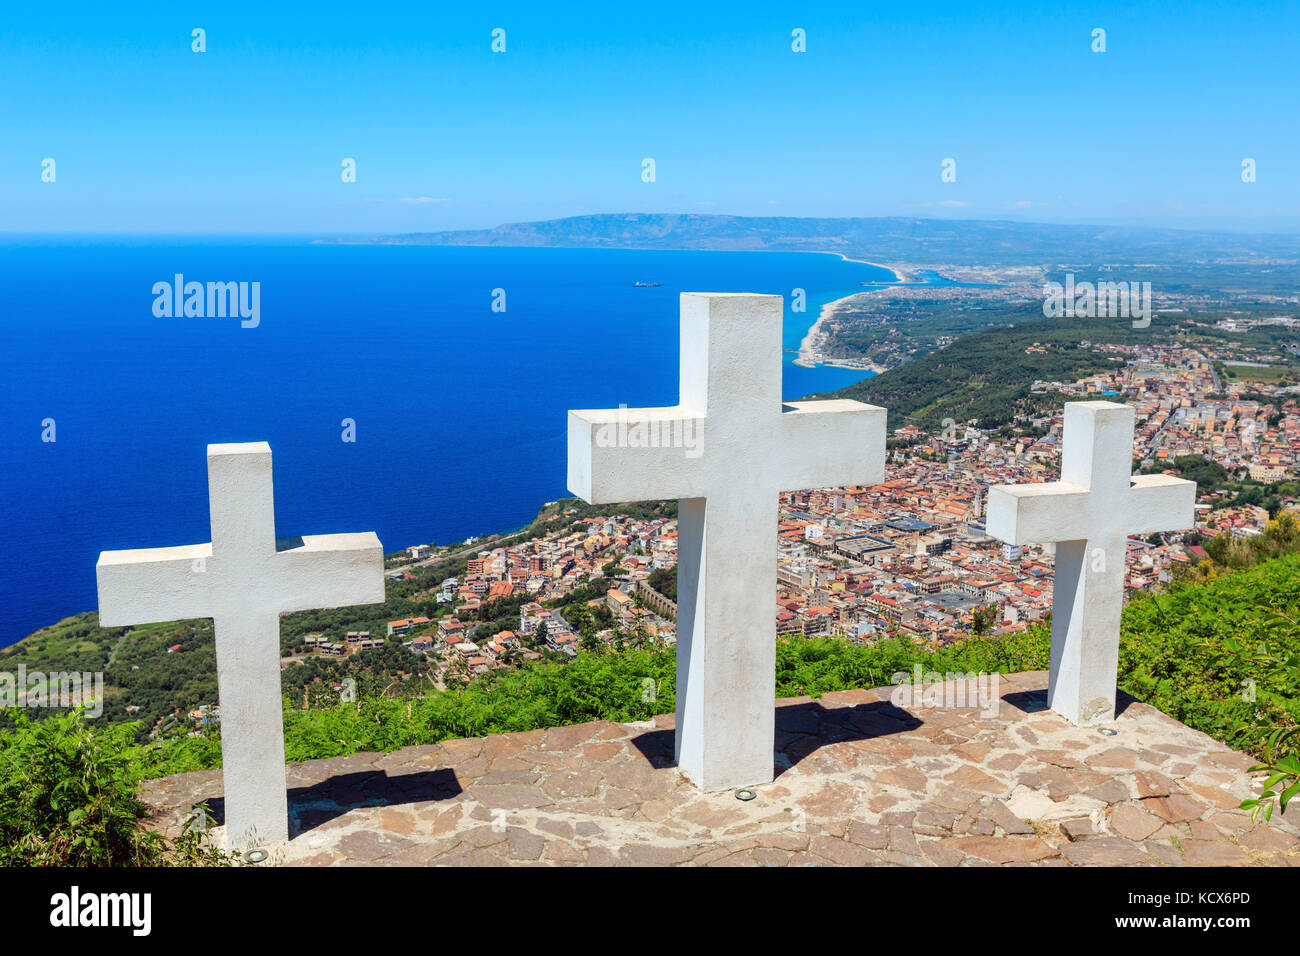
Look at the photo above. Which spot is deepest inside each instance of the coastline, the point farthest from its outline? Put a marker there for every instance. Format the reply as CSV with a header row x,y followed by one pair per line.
x,y
808,346
33,606
900,277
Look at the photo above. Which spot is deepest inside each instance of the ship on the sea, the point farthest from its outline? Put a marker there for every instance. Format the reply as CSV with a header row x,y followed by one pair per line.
x,y
645,285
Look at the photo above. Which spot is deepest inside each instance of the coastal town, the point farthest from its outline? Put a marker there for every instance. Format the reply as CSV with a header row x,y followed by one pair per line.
x,y
910,558
906,558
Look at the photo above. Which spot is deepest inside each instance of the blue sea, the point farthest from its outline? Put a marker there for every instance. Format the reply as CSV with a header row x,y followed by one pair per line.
x,y
459,410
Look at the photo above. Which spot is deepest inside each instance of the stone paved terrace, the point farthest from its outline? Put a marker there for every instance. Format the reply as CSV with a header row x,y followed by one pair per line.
x,y
860,782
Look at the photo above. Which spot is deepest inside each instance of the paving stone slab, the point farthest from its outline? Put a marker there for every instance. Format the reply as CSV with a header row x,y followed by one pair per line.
x,y
860,782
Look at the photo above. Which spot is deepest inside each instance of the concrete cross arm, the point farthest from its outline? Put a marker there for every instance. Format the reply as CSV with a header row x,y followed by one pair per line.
x,y
1061,511
329,570
153,584
831,443
1161,503
636,454
1037,513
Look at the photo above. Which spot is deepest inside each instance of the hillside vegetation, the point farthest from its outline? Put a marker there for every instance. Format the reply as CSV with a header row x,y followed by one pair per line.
x,y
1220,653
987,377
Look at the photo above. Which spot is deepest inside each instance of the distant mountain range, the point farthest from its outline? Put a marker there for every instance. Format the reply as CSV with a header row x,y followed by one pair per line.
x,y
891,239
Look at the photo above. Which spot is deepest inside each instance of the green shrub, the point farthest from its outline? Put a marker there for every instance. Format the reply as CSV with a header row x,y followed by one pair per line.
x,y
68,798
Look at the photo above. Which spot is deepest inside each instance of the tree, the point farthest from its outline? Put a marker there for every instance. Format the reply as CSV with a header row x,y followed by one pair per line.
x,y
984,618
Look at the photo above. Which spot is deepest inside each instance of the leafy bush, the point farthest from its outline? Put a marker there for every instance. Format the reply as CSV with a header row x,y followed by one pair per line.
x,y
68,798
1280,537
1220,655
1281,759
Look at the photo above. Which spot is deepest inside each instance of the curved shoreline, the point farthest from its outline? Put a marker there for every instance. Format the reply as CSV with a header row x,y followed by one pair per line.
x,y
898,276
807,347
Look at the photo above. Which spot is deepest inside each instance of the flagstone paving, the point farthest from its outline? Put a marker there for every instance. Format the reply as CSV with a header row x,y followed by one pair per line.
x,y
860,782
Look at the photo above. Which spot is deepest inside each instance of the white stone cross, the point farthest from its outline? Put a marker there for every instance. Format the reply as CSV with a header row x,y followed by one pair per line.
x,y
1089,514
726,451
244,579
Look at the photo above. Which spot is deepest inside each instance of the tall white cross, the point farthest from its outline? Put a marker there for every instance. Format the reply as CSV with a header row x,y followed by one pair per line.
x,y
1090,513
726,451
244,579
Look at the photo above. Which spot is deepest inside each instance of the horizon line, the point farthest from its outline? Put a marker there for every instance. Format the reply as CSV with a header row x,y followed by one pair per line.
x,y
947,220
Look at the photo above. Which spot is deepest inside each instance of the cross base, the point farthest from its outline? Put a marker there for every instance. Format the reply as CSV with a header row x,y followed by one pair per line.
x,y
1086,612
726,644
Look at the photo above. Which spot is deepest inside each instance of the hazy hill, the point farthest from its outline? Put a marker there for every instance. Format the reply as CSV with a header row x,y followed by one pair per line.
x,y
889,239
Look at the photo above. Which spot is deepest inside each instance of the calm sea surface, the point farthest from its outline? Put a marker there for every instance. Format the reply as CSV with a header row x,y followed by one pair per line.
x,y
459,410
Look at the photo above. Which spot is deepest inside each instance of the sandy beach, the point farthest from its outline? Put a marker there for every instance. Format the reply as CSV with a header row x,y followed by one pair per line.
x,y
809,350
898,276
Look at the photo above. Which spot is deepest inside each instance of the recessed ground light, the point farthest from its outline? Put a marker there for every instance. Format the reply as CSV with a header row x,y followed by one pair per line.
x,y
745,794
255,856
1108,731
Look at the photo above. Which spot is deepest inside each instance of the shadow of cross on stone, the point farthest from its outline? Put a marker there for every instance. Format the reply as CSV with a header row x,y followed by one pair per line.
x,y
1089,514
726,451
244,579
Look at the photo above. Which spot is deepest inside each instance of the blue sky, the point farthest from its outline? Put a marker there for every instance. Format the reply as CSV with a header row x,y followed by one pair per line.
x,y
249,136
